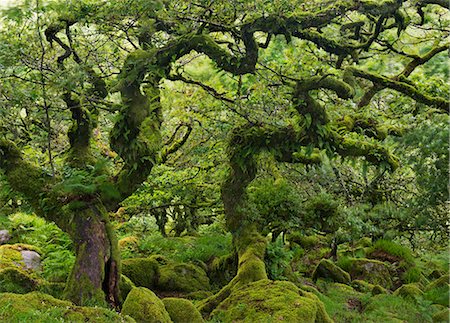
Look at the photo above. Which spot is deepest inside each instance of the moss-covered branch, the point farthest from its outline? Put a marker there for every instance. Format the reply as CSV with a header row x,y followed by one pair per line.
x,y
83,116
174,145
30,180
404,88
372,151
409,68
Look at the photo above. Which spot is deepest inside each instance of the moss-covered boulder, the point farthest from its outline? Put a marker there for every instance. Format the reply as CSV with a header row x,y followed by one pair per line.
x,y
16,280
144,306
182,311
141,271
54,289
390,251
372,271
12,255
223,269
39,307
438,291
408,291
181,277
130,242
377,290
362,286
198,295
268,301
442,316
328,270
125,286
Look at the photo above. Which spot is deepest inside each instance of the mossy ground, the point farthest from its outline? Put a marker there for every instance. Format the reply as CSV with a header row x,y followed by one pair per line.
x,y
38,307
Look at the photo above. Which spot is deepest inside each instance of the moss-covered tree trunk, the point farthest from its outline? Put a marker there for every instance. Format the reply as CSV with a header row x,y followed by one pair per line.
x,y
249,243
97,265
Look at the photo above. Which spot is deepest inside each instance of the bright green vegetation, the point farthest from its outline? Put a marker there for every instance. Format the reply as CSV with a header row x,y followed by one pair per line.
x,y
39,307
224,161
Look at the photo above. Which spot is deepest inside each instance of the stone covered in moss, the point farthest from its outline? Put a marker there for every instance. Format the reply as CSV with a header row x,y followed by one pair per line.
x,y
328,270
11,255
442,316
130,242
125,286
182,311
54,289
182,277
408,291
362,286
377,290
39,307
372,271
198,295
267,301
438,291
16,280
144,306
141,271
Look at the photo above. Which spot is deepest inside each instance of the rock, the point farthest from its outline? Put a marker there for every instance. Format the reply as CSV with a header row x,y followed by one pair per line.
x,y
328,270
143,305
182,311
268,301
13,256
39,307
377,290
442,316
372,271
5,236
442,281
125,286
362,286
438,291
198,295
180,277
15,280
130,242
141,271
408,291
31,260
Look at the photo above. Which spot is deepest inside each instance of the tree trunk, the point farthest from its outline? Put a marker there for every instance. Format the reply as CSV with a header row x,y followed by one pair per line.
x,y
251,248
94,279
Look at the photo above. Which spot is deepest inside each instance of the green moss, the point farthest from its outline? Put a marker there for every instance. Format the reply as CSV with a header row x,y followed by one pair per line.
x,y
438,291
362,286
223,269
128,242
38,307
267,301
141,271
408,291
182,311
377,289
387,250
442,316
182,277
440,282
390,308
369,270
16,280
364,242
198,295
54,289
328,270
125,286
10,257
143,305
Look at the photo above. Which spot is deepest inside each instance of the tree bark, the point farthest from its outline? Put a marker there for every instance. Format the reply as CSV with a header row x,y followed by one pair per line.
x,y
97,266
